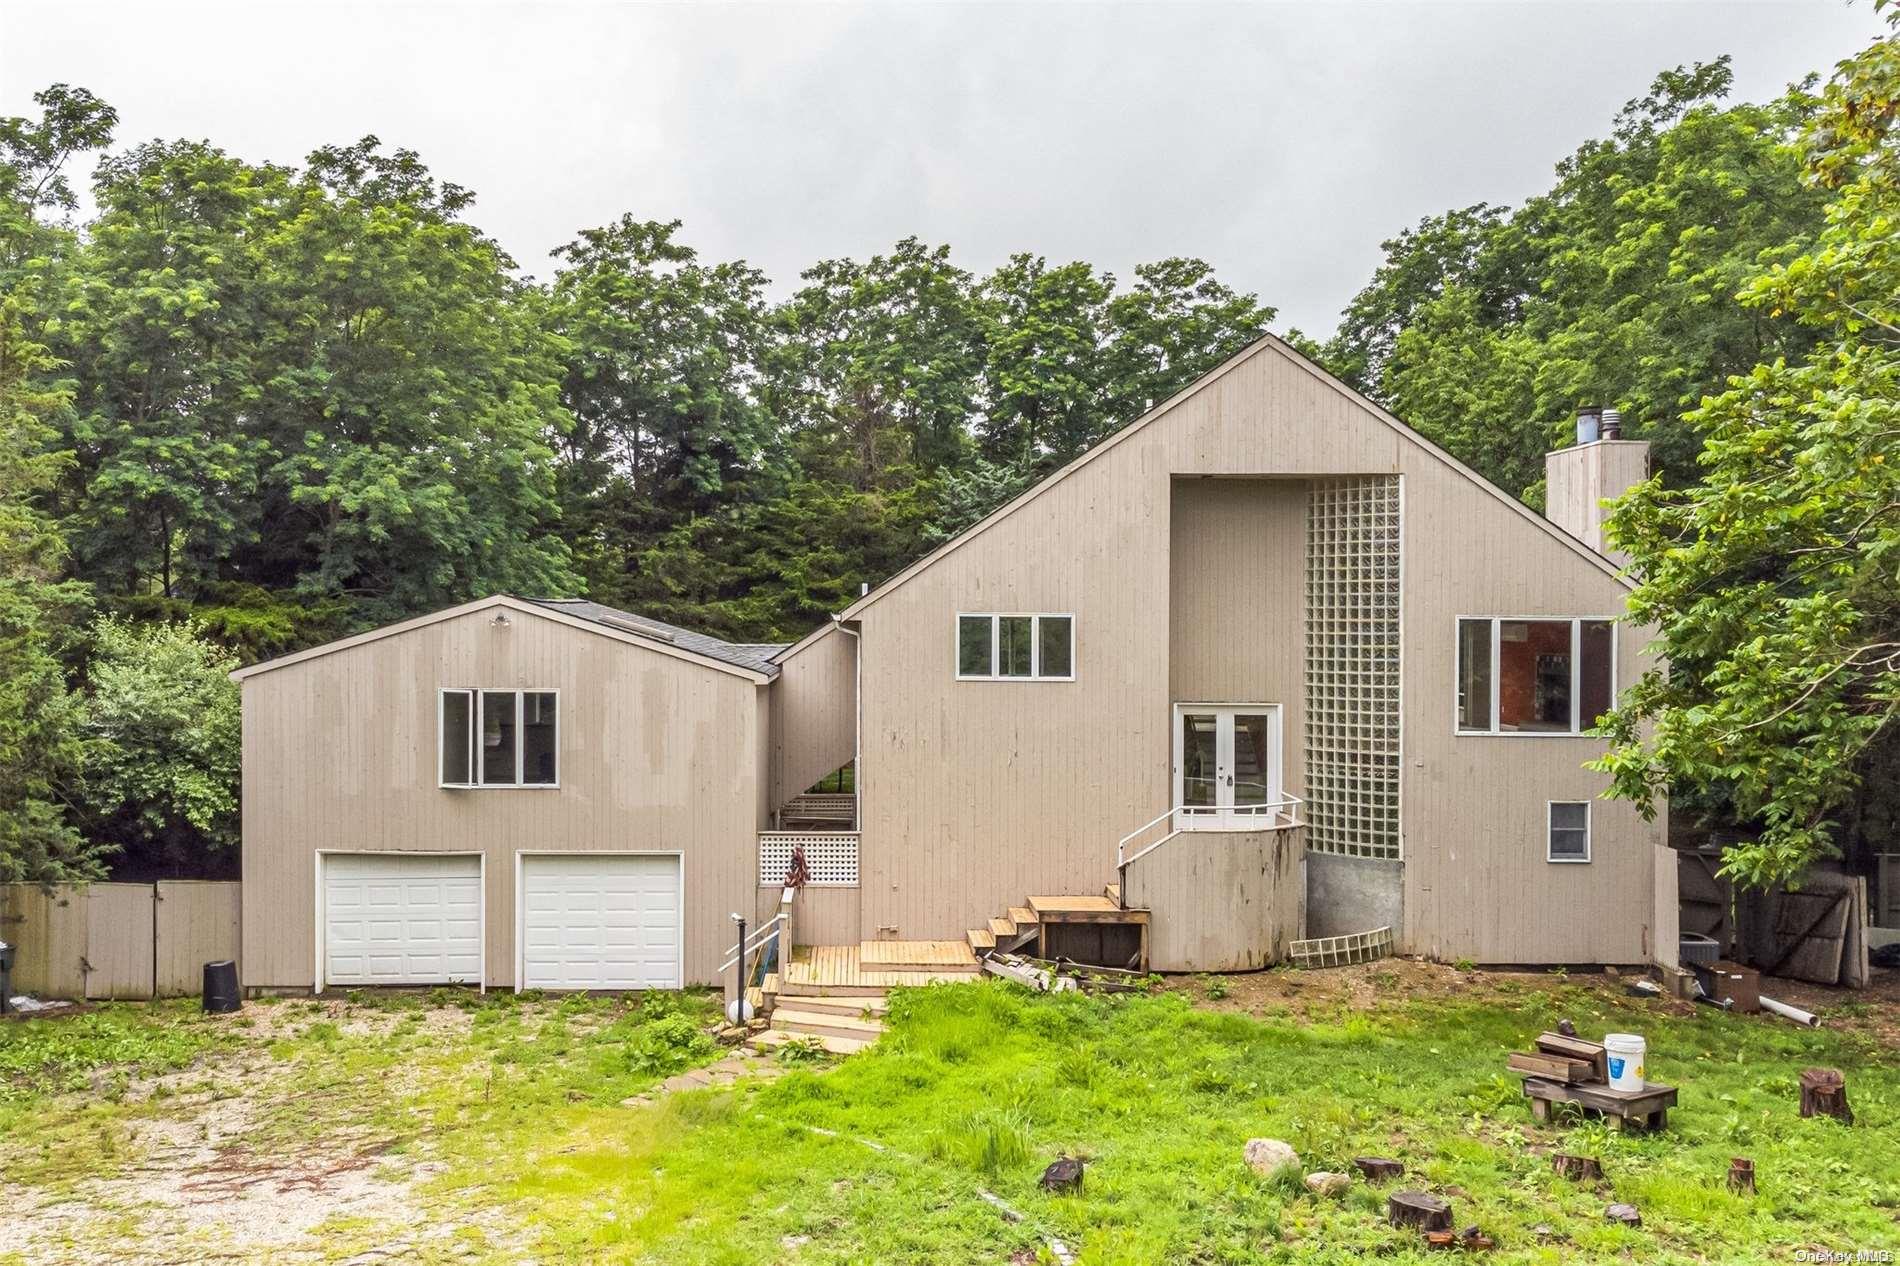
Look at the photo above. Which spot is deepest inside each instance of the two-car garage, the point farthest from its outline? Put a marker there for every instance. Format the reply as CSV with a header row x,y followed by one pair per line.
x,y
582,920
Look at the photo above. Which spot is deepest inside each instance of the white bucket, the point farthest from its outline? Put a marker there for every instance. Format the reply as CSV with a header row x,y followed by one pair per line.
x,y
1624,1053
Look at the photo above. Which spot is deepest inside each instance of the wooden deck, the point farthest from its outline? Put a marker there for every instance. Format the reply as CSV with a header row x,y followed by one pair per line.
x,y
841,969
916,956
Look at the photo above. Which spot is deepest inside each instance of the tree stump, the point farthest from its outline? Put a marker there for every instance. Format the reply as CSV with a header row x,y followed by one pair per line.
x,y
1577,1168
1624,1213
1063,1175
1824,1093
1418,1209
1741,1176
1378,1168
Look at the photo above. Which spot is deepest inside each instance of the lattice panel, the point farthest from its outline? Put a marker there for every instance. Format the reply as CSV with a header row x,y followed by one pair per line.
x,y
1352,667
832,860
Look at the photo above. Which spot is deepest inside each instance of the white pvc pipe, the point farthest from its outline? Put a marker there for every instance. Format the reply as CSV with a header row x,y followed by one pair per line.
x,y
1787,1012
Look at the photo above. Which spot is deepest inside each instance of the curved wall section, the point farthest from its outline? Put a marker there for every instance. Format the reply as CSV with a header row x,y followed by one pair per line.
x,y
1220,900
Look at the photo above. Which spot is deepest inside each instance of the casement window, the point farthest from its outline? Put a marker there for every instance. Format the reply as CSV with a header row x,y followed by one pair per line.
x,y
1015,647
1534,676
499,738
1569,831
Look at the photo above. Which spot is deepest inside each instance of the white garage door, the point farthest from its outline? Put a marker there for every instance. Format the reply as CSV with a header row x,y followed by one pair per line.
x,y
401,919
597,921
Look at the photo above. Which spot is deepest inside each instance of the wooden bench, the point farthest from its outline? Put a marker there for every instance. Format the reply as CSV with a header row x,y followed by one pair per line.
x,y
1645,1109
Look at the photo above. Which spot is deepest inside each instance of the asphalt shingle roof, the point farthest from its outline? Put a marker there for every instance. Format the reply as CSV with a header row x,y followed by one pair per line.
x,y
756,656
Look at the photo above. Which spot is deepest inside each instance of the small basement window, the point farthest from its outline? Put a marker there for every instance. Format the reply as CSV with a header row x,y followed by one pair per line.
x,y
1534,676
499,738
1015,647
1569,831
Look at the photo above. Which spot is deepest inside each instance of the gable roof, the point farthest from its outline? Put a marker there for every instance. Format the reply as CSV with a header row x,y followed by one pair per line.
x,y
742,660
1267,343
754,655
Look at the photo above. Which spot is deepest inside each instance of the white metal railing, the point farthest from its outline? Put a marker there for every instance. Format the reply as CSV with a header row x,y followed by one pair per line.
x,y
756,941
1272,815
831,857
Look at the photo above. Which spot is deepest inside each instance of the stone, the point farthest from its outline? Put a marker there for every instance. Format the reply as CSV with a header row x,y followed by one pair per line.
x,y
1624,1213
1268,1157
1326,1183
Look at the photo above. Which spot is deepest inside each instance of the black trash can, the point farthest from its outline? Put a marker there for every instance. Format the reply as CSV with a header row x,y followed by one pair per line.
x,y
221,987
6,976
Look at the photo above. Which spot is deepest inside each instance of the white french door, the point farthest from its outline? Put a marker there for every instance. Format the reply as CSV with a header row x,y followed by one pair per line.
x,y
1226,765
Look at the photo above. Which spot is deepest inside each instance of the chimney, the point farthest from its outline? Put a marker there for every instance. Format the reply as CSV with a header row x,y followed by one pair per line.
x,y
1601,465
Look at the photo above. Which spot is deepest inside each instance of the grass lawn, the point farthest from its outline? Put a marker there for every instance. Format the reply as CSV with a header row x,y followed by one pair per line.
x,y
457,1129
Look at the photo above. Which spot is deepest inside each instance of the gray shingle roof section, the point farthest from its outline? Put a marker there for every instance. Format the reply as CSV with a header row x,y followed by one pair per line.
x,y
752,655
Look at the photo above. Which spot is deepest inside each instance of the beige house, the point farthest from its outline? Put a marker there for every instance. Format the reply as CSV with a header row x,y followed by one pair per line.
x,y
1264,665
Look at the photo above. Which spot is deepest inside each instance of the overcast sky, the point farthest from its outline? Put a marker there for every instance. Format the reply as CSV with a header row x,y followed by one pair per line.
x,y
1281,142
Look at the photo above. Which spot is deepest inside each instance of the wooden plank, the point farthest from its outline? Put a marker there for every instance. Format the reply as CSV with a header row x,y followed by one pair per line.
x,y
980,939
1576,1048
1022,916
1555,1067
1000,928
1073,905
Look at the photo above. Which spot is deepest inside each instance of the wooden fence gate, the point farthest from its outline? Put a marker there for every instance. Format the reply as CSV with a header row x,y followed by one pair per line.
x,y
113,940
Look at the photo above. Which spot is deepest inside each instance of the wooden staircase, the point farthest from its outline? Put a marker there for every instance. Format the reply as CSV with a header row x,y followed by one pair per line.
x,y
1020,929
836,995
840,1024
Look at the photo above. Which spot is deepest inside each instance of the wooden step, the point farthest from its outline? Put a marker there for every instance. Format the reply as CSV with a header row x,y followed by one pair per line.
x,y
1066,909
981,940
1113,892
1023,917
826,1024
771,983
833,1004
773,1038
1001,929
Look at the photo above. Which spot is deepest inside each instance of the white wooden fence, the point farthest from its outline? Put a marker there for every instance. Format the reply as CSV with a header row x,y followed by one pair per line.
x,y
113,940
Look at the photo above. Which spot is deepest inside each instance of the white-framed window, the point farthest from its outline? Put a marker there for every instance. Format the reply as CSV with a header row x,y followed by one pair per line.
x,y
994,646
1533,675
498,738
1568,831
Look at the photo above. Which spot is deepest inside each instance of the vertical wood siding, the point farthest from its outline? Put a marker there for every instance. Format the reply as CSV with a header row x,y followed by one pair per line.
x,y
1235,601
978,793
1577,480
814,715
1221,900
657,754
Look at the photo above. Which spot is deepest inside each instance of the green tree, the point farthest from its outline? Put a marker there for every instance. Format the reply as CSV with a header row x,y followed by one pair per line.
x,y
1775,578
878,365
163,715
1047,374
159,324
408,394
1174,324
1616,286
662,353
42,753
